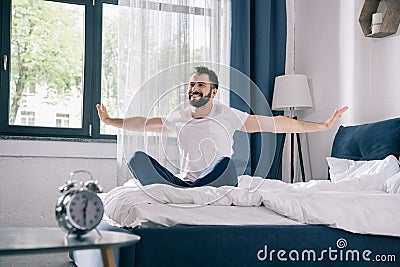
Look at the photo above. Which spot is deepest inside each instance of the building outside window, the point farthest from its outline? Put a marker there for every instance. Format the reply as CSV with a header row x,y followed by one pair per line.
x,y
62,120
27,118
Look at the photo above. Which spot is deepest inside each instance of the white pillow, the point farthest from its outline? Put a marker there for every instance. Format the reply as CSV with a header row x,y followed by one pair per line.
x,y
392,185
344,169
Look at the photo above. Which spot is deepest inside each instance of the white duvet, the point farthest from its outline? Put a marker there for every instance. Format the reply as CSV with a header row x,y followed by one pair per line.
x,y
355,205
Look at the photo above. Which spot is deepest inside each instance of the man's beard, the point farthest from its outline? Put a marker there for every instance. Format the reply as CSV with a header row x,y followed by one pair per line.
x,y
200,101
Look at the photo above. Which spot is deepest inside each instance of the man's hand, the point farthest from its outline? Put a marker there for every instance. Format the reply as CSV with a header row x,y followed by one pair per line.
x,y
103,114
336,115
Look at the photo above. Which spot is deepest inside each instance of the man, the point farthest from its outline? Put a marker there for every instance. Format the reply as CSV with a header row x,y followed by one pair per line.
x,y
205,135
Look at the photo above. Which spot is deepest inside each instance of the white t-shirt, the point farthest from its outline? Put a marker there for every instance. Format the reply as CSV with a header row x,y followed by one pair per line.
x,y
203,141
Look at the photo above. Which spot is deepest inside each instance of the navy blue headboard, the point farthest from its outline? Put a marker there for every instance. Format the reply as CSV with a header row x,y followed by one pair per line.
x,y
370,141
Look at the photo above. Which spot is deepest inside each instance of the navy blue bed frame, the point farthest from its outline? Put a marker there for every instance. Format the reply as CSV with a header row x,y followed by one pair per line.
x,y
232,246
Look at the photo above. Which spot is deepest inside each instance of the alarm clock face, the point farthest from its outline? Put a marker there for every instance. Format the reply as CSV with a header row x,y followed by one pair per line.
x,y
85,210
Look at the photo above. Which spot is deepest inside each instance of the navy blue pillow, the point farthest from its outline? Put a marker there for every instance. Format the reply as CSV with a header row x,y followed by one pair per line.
x,y
370,141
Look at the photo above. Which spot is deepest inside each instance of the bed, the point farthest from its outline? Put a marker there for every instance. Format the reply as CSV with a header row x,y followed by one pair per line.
x,y
351,220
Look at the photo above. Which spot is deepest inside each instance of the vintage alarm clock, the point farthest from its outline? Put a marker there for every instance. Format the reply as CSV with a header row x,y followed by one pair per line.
x,y
79,209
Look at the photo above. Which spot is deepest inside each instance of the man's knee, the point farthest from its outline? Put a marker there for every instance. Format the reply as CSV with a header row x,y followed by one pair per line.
x,y
138,158
227,163
224,161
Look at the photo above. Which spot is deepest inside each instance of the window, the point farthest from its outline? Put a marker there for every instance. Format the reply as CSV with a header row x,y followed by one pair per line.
x,y
50,57
27,118
62,120
61,57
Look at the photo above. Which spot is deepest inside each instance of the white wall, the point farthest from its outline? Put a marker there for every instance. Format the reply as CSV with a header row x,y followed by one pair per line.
x,y
32,171
344,68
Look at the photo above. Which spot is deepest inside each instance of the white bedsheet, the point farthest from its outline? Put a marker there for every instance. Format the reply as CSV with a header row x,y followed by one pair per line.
x,y
354,205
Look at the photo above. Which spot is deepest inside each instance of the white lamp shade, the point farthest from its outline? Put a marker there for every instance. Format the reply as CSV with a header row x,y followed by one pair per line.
x,y
291,92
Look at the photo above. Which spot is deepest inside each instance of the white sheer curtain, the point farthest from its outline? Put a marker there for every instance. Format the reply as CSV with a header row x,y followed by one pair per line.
x,y
158,38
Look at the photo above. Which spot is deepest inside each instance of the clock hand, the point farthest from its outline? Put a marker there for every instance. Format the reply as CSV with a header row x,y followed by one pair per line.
x,y
84,210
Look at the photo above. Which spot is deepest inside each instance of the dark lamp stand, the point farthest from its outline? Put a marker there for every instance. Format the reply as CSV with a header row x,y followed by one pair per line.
x,y
291,155
291,92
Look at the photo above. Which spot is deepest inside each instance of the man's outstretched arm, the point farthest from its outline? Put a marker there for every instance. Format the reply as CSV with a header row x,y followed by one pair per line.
x,y
140,124
283,124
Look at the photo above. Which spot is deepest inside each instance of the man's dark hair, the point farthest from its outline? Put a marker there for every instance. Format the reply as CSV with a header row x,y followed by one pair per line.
x,y
211,75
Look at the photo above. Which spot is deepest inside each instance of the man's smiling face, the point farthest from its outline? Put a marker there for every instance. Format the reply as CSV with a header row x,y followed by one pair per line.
x,y
199,91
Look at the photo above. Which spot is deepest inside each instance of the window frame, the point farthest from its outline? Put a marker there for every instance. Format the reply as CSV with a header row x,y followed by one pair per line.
x,y
90,127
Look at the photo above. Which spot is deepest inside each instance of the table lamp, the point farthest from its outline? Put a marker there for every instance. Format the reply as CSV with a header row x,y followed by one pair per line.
x,y
291,92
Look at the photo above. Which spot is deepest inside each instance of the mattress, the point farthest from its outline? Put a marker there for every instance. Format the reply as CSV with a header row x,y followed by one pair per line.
x,y
164,215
